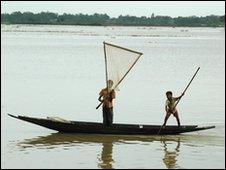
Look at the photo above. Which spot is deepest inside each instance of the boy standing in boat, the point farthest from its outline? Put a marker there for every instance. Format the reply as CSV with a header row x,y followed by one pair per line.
x,y
170,107
107,96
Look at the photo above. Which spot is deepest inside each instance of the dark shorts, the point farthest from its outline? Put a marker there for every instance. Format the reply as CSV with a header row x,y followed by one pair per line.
x,y
107,116
175,113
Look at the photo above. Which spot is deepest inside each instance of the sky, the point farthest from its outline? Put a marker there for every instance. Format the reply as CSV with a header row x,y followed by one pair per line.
x,y
116,8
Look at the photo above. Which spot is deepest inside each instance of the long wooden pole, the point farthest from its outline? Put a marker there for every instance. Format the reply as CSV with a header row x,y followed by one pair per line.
x,y
182,93
106,73
187,86
106,68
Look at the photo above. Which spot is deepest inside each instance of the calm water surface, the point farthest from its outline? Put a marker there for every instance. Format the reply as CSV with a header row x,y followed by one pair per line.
x,y
59,70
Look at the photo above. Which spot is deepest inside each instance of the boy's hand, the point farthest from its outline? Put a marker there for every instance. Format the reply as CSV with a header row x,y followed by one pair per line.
x,y
180,96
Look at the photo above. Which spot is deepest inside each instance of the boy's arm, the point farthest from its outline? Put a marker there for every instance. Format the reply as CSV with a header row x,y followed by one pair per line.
x,y
177,98
112,94
100,98
166,106
101,94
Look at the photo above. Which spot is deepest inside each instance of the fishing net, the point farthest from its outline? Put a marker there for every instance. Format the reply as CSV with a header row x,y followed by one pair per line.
x,y
118,61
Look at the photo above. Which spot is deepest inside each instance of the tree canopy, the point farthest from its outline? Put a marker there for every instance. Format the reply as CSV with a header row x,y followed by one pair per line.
x,y
105,20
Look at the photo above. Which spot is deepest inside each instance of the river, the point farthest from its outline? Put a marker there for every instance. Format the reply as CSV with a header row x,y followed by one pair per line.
x,y
49,70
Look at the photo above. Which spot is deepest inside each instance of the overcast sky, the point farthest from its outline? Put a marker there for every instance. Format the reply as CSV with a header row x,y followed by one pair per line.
x,y
116,8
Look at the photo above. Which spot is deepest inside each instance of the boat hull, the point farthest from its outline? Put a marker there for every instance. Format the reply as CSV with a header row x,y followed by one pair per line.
x,y
116,129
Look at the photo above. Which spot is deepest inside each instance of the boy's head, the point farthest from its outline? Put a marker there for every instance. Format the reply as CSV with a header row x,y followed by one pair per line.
x,y
109,84
169,94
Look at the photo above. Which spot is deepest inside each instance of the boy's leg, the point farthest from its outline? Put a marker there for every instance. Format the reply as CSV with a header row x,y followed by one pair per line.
x,y
166,118
104,115
109,116
177,117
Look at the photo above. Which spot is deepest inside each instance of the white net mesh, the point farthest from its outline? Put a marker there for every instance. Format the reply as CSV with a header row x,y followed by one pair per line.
x,y
119,61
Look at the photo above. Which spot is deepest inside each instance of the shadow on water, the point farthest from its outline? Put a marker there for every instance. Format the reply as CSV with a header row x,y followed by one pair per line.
x,y
105,159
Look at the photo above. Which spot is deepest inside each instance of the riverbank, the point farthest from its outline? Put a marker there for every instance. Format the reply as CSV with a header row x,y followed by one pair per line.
x,y
105,20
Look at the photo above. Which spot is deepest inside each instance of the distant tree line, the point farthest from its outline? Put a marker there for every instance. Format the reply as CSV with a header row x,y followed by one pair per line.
x,y
105,20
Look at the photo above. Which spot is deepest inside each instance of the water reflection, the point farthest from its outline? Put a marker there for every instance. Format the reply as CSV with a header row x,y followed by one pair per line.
x,y
170,157
105,159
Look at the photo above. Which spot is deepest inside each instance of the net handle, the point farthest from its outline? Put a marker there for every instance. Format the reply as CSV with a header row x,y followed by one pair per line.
x,y
106,71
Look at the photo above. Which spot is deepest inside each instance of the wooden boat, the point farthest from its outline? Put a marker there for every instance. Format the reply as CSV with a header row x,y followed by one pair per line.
x,y
68,126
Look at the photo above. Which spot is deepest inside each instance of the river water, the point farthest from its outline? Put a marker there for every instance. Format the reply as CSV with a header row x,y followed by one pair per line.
x,y
59,71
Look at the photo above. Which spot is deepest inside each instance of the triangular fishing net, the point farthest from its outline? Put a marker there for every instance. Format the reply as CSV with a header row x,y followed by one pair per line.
x,y
118,62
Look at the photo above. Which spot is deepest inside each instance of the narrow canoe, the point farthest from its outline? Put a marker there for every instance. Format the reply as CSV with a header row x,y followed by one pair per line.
x,y
67,126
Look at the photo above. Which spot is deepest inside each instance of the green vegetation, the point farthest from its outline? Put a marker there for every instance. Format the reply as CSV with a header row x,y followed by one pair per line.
x,y
105,20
